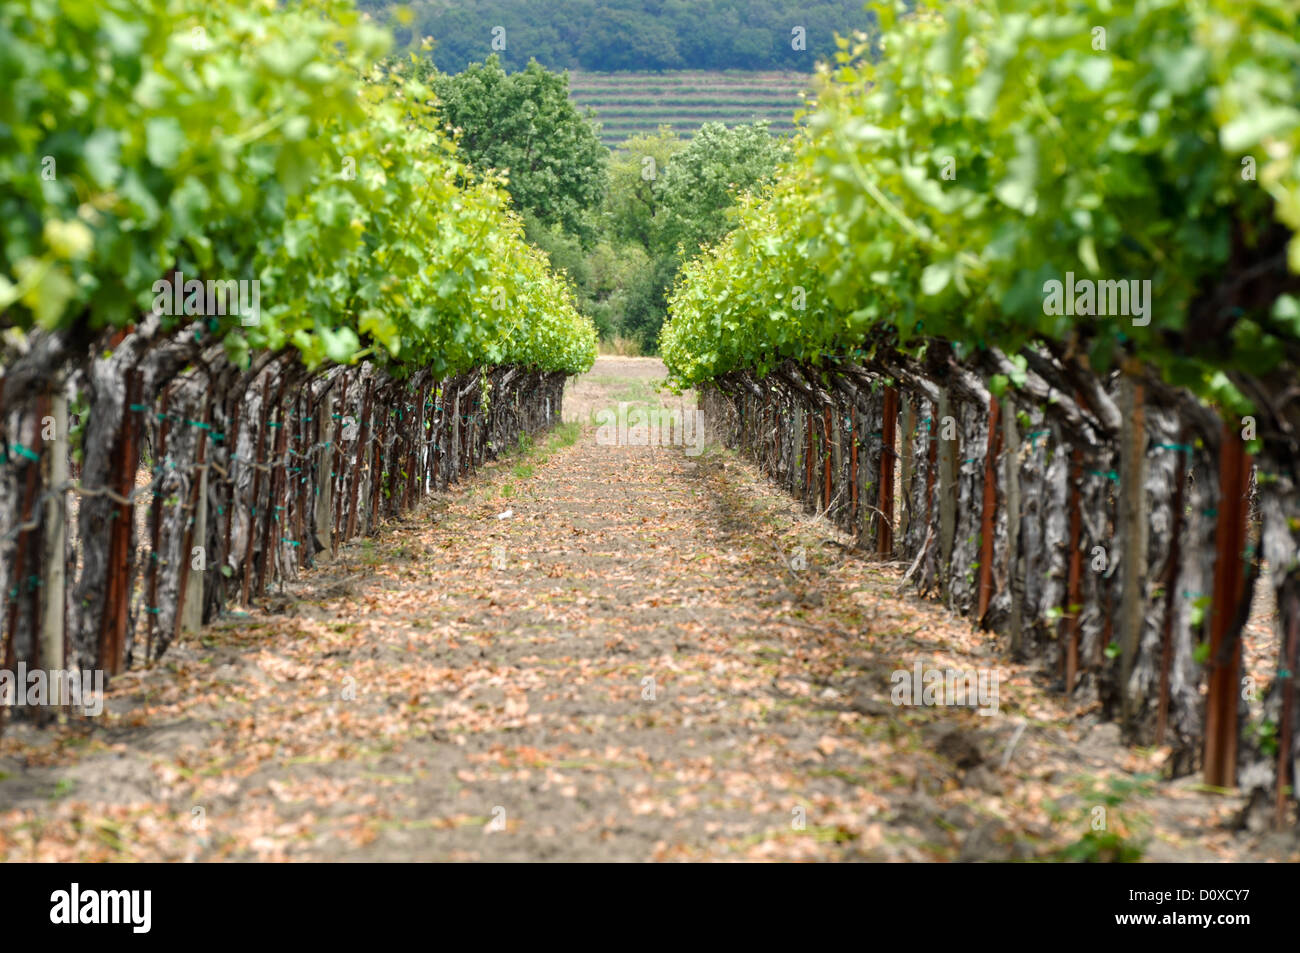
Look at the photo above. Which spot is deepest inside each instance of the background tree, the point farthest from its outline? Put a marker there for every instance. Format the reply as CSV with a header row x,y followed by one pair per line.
x,y
634,171
668,197
704,179
525,123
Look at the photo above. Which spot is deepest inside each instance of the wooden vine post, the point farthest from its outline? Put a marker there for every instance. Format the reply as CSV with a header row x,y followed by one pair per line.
x,y
256,463
1074,575
988,513
435,433
1171,589
888,456
931,464
35,540
53,644
1228,588
112,634
776,434
853,466
377,467
155,527
336,463
947,488
1133,522
231,443
453,435
363,435
415,468
26,559
270,519
826,457
808,458
190,612
1011,440
907,465
297,475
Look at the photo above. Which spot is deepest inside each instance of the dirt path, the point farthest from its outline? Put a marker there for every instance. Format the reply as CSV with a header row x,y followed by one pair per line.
x,y
654,655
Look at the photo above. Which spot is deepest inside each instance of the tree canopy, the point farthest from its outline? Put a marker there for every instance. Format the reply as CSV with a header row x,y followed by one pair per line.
x,y
702,182
629,34
524,124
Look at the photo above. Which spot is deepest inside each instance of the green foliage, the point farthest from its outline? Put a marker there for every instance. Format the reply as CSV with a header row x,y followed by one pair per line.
x,y
525,125
1102,847
702,181
753,299
1264,734
667,198
1117,842
248,141
993,149
624,297
634,172
1200,606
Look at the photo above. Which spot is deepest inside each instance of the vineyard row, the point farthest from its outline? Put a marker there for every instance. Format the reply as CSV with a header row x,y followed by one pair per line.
x,y
253,473
1125,557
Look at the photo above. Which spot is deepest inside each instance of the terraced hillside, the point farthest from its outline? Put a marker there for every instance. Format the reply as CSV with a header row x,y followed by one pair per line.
x,y
630,103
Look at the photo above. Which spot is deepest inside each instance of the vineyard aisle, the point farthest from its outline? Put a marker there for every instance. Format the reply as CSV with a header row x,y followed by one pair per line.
x,y
593,652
